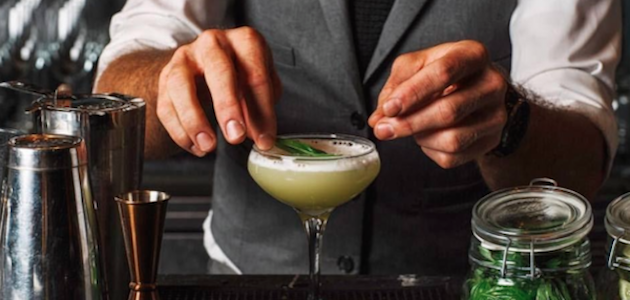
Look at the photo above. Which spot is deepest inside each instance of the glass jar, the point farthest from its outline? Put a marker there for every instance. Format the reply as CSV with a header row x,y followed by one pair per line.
x,y
614,281
530,243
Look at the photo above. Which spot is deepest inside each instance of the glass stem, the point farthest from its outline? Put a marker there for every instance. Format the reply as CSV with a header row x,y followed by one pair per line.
x,y
314,231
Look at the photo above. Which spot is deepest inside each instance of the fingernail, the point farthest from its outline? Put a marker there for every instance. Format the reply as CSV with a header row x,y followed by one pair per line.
x,y
235,130
265,141
197,152
204,141
392,107
384,131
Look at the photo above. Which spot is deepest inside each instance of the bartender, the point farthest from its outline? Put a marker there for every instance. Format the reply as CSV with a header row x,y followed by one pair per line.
x,y
461,98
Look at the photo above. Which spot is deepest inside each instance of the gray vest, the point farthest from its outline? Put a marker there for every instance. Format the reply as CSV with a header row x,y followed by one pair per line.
x,y
415,218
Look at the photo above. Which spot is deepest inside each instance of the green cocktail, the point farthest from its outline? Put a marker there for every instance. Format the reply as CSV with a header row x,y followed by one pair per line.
x,y
314,186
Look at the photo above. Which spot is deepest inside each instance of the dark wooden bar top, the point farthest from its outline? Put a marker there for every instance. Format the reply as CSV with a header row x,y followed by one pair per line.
x,y
290,287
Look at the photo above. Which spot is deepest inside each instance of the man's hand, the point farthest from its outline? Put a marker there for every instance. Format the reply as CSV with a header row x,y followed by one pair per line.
x,y
237,67
449,98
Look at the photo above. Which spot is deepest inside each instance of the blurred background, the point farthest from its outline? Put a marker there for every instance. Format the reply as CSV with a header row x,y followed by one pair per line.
x,y
49,42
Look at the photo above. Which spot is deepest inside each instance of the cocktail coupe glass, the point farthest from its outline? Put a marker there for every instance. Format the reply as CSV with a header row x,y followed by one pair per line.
x,y
315,186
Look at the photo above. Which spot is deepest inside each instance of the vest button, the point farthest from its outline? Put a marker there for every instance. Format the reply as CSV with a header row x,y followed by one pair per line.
x,y
357,120
345,264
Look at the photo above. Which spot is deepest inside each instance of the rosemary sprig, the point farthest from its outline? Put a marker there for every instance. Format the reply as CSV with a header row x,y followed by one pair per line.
x,y
295,147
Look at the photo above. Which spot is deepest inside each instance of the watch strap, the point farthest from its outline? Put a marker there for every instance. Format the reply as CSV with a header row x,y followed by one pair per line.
x,y
518,111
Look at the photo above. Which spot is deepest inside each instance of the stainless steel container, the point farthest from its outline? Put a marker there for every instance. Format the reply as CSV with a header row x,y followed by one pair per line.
x,y
48,232
113,129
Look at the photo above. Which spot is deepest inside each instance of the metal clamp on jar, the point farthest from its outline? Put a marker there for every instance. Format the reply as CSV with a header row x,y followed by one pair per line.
x,y
530,242
614,282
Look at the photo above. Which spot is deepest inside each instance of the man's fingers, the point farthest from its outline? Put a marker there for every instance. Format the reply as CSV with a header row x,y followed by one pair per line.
x,y
446,97
448,160
461,60
255,75
379,113
454,146
237,68
376,116
261,124
447,111
215,58
403,68
460,138
168,117
180,85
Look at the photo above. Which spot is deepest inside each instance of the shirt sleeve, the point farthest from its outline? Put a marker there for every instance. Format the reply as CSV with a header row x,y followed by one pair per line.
x,y
567,52
160,24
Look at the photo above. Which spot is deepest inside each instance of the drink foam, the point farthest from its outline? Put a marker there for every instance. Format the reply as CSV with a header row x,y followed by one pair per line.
x,y
351,156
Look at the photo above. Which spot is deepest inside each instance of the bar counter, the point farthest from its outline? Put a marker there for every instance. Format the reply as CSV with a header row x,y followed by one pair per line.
x,y
294,287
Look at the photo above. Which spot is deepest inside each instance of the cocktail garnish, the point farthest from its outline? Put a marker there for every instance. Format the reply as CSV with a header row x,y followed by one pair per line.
x,y
295,147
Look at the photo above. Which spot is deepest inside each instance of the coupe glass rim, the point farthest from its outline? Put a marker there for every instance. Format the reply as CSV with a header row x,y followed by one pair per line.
x,y
348,137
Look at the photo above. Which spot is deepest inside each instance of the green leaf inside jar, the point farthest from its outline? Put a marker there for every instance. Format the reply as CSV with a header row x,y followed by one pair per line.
x,y
487,284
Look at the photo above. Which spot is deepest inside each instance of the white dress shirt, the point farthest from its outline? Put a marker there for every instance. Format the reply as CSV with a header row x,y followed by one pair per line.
x,y
564,51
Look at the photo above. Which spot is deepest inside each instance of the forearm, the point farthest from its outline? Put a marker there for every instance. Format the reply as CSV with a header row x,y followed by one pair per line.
x,y
137,74
561,145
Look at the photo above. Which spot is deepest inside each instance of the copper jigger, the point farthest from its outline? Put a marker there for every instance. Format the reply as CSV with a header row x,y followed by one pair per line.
x,y
142,215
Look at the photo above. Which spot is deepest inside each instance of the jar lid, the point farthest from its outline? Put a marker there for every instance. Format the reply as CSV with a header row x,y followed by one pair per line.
x,y
618,218
539,218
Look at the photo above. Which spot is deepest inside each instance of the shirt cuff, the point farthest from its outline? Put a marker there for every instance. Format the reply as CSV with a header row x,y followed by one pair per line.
x,y
585,95
146,32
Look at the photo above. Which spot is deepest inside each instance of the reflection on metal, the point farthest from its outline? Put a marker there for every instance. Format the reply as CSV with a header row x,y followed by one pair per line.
x,y
48,232
48,43
113,129
408,280
144,295
142,215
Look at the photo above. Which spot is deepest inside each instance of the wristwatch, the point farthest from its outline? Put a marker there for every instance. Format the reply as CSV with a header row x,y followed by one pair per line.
x,y
516,126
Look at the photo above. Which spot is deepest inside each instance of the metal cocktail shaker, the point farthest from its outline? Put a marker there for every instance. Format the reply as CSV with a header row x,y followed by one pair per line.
x,y
48,232
113,129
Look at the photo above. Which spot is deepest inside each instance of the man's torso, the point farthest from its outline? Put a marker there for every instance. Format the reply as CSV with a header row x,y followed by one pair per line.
x,y
415,218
